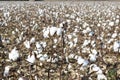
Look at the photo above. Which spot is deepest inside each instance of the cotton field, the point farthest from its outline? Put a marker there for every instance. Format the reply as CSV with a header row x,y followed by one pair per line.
x,y
68,40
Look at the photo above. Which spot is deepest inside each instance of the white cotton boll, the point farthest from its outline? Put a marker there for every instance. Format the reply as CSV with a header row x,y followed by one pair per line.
x,y
67,15
27,44
91,33
70,44
94,51
111,23
6,71
117,21
114,35
42,58
32,40
116,46
69,66
71,55
61,25
46,32
16,30
80,60
101,77
85,25
38,46
75,40
98,25
55,41
92,57
109,41
31,58
86,42
20,78
85,63
69,36
23,78
53,30
44,44
13,32
88,29
14,54
59,31
94,68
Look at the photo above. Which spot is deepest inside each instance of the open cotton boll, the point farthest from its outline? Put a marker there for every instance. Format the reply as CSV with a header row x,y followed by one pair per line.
x,y
59,31
94,68
31,58
86,42
32,40
70,44
71,55
75,40
38,45
116,46
43,43
14,54
27,44
46,32
53,30
92,57
94,51
23,78
6,71
55,41
111,23
80,60
101,77
114,35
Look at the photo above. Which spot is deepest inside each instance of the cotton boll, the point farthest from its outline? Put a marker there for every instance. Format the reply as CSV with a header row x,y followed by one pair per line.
x,y
69,36
92,57
42,58
70,44
114,35
23,78
14,54
71,55
93,68
6,71
27,44
44,44
75,40
46,32
80,60
91,33
31,58
32,40
69,66
53,30
101,77
98,24
111,23
55,41
86,42
59,31
94,51
116,46
117,21
38,46
85,63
